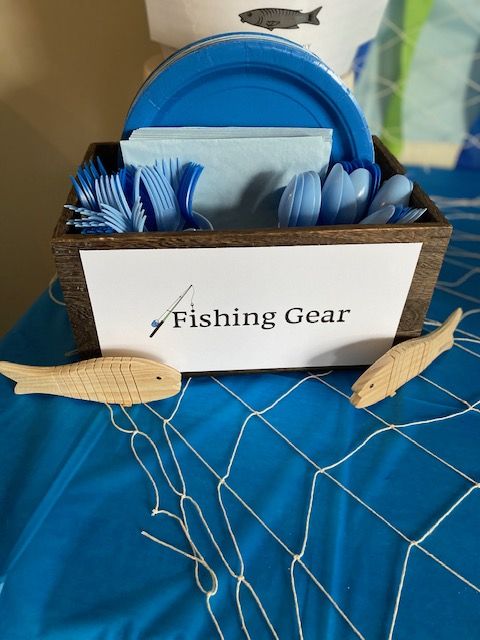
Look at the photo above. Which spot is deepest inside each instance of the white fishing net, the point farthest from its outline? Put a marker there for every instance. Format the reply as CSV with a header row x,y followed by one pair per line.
x,y
228,490
442,411
438,96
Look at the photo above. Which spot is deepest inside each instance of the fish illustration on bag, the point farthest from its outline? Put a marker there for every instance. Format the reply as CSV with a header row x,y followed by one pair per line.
x,y
279,18
116,380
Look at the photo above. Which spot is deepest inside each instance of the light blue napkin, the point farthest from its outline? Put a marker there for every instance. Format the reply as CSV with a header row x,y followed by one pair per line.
x,y
243,176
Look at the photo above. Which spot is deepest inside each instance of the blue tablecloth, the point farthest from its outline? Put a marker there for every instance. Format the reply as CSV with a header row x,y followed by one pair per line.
x,y
277,506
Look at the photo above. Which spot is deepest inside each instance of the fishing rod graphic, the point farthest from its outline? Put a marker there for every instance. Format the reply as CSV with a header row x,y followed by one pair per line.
x,y
161,320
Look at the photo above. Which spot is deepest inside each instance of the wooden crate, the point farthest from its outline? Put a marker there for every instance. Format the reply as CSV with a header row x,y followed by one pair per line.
x,y
433,231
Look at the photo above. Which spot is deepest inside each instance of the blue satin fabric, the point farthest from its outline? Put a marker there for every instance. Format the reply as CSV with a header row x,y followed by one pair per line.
x,y
73,500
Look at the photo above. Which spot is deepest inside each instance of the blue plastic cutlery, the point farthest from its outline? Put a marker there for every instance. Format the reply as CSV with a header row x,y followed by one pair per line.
x,y
332,195
136,198
186,188
110,218
286,203
310,200
171,216
396,190
84,192
201,222
350,194
362,186
393,214
160,197
108,208
172,171
297,200
154,197
84,183
381,216
408,215
372,167
347,212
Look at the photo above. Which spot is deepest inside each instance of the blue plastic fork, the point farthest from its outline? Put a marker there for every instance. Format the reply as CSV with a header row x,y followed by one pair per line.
x,y
84,193
156,179
118,194
171,169
84,182
126,176
150,198
163,199
171,215
186,189
113,209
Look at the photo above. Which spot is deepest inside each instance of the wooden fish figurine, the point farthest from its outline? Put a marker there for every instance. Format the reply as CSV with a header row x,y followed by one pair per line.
x,y
116,380
402,363
279,18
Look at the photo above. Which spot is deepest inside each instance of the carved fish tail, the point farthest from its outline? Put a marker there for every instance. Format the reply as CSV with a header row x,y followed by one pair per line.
x,y
313,16
444,335
17,372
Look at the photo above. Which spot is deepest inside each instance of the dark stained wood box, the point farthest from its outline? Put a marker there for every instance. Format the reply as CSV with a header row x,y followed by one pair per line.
x,y
432,230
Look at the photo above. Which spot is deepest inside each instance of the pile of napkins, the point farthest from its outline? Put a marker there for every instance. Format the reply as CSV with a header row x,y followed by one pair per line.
x,y
246,168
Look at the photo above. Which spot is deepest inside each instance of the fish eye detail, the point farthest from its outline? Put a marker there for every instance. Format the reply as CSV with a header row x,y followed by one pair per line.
x,y
125,381
372,385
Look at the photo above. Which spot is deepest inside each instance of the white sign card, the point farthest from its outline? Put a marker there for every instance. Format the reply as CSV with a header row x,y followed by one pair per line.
x,y
250,307
333,29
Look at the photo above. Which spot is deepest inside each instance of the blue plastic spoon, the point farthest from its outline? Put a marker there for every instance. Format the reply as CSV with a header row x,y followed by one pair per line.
x,y
332,195
382,216
297,200
396,190
286,203
310,200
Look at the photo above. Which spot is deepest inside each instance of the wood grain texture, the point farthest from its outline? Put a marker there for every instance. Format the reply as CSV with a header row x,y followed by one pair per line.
x,y
402,363
116,380
432,230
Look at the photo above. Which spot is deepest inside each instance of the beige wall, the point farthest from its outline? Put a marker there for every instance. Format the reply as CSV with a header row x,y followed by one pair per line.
x,y
68,72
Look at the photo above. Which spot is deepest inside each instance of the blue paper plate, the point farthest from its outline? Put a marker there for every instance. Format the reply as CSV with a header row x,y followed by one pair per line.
x,y
250,80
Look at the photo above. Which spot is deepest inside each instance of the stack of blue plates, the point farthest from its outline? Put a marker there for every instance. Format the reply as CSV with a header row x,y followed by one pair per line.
x,y
251,80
